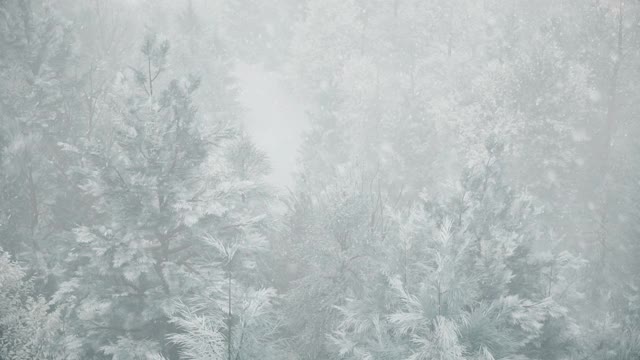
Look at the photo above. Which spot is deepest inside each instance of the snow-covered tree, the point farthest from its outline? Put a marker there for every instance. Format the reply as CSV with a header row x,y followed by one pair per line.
x,y
465,282
161,180
29,327
39,199
233,315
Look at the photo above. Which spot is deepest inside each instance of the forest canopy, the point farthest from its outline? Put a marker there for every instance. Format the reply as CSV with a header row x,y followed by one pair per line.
x,y
465,184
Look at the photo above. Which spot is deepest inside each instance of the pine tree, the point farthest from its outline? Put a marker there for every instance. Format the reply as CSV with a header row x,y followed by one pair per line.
x,y
233,315
158,184
466,283
38,197
29,327
331,241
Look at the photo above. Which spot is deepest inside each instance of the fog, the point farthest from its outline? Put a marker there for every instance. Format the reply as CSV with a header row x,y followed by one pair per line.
x,y
319,179
274,117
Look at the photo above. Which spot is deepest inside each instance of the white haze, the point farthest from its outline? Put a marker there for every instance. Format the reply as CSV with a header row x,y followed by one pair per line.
x,y
274,117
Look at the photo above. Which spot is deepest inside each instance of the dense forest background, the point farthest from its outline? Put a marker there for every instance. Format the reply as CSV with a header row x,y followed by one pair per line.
x,y
467,185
